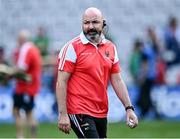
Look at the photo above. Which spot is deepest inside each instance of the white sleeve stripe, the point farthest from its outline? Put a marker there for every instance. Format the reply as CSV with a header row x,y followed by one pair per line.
x,y
116,58
62,59
22,56
66,55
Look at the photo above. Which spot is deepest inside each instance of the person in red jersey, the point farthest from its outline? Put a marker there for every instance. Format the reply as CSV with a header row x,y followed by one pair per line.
x,y
86,64
28,61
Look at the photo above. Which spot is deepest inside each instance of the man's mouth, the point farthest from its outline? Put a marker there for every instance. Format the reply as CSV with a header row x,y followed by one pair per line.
x,y
92,32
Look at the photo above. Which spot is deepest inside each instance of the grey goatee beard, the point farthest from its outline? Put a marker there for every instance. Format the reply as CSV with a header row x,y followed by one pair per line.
x,y
92,38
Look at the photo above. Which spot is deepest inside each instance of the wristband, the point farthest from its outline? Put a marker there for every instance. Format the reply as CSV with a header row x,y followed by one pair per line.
x,y
129,107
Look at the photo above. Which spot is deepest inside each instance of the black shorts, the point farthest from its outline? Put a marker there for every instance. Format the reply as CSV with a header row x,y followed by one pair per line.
x,y
86,126
23,101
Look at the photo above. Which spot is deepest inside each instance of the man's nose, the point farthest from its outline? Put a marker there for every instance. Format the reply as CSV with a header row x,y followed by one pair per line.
x,y
91,25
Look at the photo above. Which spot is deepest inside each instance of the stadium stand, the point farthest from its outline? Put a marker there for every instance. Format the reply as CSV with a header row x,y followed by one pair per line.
x,y
126,19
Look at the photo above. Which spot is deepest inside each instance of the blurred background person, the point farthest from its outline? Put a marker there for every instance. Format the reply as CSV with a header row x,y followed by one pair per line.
x,y
158,49
2,56
29,62
172,51
41,40
172,42
135,61
143,68
148,73
3,61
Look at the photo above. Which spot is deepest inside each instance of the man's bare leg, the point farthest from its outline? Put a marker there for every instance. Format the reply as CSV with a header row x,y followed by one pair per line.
x,y
19,123
32,124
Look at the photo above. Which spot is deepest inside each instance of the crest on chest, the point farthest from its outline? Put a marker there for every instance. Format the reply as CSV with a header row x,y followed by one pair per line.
x,y
107,54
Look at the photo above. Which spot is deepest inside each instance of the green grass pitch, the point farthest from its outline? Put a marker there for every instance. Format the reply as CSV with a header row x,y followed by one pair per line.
x,y
146,129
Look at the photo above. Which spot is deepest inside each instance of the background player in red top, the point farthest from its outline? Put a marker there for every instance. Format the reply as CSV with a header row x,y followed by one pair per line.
x,y
29,62
86,64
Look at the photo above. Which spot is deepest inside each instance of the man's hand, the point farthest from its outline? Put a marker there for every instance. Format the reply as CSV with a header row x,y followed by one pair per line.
x,y
64,123
131,118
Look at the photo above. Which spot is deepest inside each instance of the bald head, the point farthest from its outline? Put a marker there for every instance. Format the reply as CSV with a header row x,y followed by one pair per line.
x,y
24,36
93,12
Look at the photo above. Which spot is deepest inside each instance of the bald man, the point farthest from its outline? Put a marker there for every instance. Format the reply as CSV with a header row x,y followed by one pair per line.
x,y
28,61
86,64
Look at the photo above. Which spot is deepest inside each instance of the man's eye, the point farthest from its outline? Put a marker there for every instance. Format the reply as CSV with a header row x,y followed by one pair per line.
x,y
86,23
95,22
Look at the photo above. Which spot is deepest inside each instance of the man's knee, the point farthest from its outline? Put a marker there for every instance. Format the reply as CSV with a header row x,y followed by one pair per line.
x,y
16,112
31,119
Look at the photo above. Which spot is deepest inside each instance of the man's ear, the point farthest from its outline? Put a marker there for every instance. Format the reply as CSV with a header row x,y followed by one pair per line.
x,y
104,23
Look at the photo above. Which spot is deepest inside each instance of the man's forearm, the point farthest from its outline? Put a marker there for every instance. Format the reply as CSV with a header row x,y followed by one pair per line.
x,y
124,95
61,91
121,90
61,97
